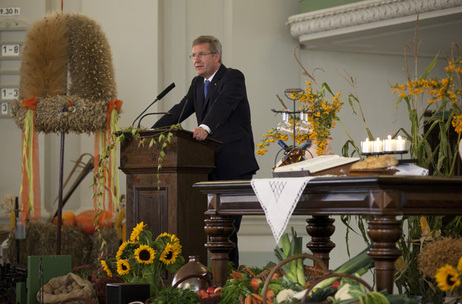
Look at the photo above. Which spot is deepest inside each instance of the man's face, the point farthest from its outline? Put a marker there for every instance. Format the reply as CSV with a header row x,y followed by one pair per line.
x,y
205,63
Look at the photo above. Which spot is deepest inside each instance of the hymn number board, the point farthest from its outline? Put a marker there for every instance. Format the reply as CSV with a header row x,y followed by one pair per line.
x,y
12,34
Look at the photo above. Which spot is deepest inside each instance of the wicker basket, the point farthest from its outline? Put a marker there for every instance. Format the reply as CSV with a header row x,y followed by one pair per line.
x,y
334,275
265,273
211,300
310,272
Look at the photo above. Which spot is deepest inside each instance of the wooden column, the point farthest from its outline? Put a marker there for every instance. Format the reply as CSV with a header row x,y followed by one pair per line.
x,y
384,231
321,228
219,229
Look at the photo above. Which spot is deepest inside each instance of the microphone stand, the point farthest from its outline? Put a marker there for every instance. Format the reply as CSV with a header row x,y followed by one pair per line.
x,y
159,97
133,123
164,113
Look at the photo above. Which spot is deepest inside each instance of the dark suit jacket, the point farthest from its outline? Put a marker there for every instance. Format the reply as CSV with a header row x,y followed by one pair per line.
x,y
226,112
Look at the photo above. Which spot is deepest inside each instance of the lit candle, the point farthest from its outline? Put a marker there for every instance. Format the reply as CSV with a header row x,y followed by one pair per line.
x,y
377,146
366,146
388,144
400,144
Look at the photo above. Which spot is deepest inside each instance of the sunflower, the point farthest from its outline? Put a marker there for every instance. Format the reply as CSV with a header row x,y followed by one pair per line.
x,y
106,268
170,238
121,250
175,240
459,265
447,278
165,234
170,253
136,232
123,267
145,254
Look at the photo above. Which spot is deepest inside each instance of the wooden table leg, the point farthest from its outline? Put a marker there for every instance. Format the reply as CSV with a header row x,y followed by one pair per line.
x,y
384,231
218,230
321,228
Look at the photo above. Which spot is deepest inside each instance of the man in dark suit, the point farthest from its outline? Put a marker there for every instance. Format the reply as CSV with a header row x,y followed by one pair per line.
x,y
223,113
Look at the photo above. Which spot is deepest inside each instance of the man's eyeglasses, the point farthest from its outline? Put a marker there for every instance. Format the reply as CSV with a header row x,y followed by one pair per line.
x,y
200,55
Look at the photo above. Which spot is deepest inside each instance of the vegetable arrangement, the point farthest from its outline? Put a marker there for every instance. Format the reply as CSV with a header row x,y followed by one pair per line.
x,y
342,286
272,286
247,288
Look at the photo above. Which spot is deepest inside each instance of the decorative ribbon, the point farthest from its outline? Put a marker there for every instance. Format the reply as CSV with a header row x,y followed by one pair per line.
x,y
110,174
30,187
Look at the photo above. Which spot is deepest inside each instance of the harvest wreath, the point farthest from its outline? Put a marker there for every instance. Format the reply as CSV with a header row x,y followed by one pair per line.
x,y
67,65
66,85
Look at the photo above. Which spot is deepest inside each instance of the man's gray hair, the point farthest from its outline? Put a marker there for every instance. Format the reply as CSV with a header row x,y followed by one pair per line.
x,y
214,44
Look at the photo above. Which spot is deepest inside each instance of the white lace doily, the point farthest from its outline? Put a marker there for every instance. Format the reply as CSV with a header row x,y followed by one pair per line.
x,y
278,197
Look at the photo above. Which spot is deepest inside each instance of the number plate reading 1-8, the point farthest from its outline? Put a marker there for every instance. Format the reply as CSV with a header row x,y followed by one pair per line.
x,y
8,93
10,50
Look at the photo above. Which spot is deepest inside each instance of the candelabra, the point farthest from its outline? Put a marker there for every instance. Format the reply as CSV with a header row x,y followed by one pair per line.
x,y
303,126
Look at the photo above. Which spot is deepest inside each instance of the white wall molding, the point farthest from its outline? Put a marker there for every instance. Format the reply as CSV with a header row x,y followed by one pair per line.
x,y
381,26
366,12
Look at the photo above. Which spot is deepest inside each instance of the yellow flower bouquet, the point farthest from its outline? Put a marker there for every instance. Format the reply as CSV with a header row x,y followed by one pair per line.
x,y
434,104
144,260
322,106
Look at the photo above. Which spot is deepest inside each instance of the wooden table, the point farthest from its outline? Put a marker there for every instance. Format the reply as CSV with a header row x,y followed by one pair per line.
x,y
383,197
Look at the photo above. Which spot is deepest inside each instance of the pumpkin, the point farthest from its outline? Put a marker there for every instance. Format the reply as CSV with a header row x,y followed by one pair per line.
x,y
67,219
86,220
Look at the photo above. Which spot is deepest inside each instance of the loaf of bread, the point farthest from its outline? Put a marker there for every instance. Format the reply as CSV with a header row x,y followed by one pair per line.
x,y
373,162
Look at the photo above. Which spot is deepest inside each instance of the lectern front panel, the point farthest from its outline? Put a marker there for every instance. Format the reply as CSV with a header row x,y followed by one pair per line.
x,y
151,208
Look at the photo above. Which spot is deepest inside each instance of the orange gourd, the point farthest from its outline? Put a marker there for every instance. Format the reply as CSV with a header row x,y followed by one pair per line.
x,y
67,219
86,220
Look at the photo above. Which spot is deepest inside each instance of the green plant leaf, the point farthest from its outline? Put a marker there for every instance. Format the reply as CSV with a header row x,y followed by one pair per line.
x,y
430,67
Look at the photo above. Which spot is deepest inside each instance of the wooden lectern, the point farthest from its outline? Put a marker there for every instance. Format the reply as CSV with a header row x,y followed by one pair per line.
x,y
173,205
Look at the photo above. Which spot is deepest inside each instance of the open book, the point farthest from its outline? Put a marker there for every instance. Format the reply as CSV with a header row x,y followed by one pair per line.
x,y
324,164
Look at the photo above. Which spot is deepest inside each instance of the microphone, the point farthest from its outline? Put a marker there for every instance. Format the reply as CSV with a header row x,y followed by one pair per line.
x,y
159,97
164,92
149,114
